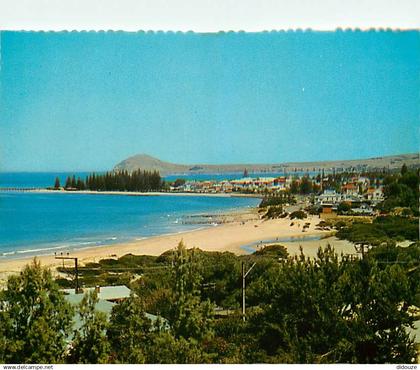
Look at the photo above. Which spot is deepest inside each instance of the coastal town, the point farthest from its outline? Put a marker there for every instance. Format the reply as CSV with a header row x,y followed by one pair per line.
x,y
360,193
210,198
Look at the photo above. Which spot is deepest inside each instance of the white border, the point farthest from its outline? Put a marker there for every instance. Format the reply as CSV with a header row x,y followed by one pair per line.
x,y
207,15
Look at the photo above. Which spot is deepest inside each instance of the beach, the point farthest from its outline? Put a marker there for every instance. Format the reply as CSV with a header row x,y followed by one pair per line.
x,y
243,228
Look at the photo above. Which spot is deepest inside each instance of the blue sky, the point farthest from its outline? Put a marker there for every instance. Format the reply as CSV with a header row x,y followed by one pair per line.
x,y
85,101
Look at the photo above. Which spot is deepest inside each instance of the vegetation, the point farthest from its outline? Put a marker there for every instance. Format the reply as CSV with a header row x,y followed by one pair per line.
x,y
90,345
273,250
179,182
118,181
340,312
299,310
381,230
304,186
273,205
343,208
401,190
298,214
277,200
274,212
35,319
57,183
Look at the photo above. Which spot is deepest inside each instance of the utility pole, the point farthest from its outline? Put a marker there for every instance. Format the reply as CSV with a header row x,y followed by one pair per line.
x,y
76,270
244,275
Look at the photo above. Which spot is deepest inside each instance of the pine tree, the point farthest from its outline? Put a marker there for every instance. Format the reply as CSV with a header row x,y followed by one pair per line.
x,y
191,318
90,344
80,185
36,320
68,182
129,331
57,183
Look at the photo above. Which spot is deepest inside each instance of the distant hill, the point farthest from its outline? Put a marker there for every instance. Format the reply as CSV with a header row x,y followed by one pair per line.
x,y
146,162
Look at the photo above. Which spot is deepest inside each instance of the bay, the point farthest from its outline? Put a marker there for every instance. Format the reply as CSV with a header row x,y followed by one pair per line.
x,y
41,223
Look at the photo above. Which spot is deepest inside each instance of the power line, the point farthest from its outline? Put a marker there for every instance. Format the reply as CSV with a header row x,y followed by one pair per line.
x,y
244,275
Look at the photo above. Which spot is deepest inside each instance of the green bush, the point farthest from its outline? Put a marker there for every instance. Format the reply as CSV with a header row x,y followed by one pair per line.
x,y
274,212
273,250
298,214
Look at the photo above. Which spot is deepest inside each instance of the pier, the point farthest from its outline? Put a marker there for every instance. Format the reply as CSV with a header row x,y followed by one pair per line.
x,y
15,189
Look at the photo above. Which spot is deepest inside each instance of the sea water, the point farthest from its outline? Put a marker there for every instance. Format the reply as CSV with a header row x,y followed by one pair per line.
x,y
44,223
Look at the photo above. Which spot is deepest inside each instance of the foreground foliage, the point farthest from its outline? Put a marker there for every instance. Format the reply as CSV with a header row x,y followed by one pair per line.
x,y
381,229
35,320
326,310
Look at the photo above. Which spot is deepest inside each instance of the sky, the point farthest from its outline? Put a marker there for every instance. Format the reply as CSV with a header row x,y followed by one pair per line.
x,y
84,101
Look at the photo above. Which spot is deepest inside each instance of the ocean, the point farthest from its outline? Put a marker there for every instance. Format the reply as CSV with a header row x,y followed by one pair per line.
x,y
39,223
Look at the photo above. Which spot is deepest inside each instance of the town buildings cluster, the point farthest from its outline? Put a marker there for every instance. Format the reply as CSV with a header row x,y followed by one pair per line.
x,y
359,192
245,184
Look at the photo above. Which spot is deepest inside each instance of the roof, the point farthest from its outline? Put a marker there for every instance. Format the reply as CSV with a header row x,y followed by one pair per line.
x,y
330,192
104,305
349,186
105,292
101,305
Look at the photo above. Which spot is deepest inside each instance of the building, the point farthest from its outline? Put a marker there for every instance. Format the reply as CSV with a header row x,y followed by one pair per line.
x,y
375,195
108,297
350,189
329,197
106,293
280,183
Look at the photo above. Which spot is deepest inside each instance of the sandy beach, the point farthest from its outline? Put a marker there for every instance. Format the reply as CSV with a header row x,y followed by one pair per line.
x,y
245,228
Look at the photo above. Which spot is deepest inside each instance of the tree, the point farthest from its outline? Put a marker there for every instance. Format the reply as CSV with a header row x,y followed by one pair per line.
x,y
179,182
129,331
35,318
305,185
57,183
326,310
190,318
165,348
343,207
80,185
294,187
403,169
375,305
68,182
90,344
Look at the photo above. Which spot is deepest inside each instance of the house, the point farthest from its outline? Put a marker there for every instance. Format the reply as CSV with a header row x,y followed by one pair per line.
x,y
226,186
364,209
329,197
244,183
108,297
364,182
106,293
264,182
280,183
350,189
375,195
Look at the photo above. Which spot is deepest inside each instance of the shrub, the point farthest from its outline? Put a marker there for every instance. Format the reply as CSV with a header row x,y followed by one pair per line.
x,y
298,214
273,250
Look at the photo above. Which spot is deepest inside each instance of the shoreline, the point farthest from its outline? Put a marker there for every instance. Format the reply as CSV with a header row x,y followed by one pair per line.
x,y
130,193
192,222
246,228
